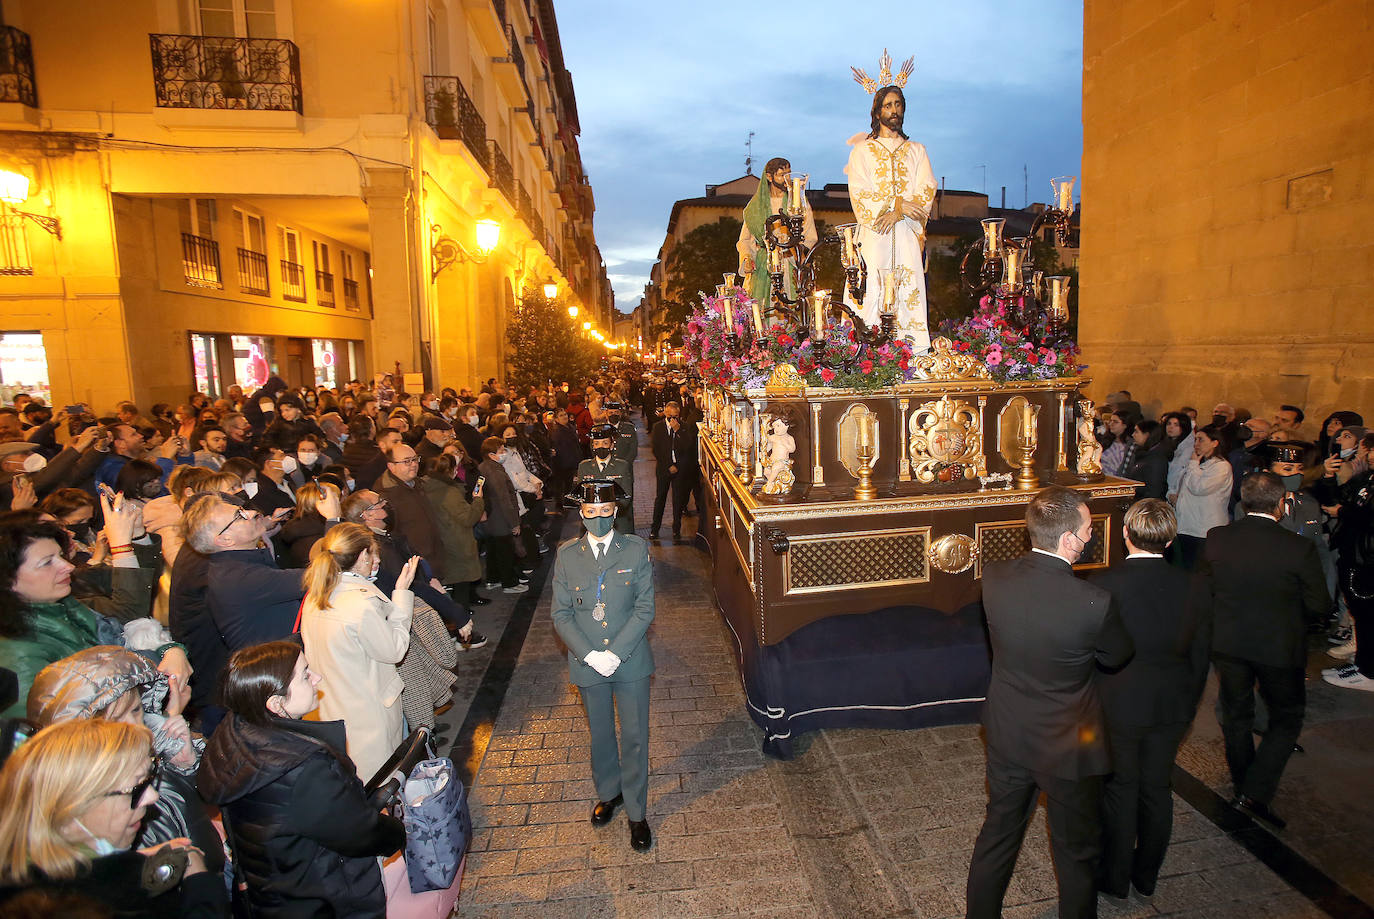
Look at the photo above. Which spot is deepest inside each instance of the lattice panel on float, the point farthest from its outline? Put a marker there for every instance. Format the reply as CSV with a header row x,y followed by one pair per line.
x,y
998,542
825,562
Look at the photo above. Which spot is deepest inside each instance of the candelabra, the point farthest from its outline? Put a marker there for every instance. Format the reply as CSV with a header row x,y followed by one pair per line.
x,y
866,453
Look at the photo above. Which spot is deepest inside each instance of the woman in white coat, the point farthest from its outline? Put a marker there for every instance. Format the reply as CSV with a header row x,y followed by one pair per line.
x,y
354,636
1204,491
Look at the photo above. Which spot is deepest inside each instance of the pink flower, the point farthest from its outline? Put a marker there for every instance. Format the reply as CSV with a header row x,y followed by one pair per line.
x,y
993,357
827,374
1048,357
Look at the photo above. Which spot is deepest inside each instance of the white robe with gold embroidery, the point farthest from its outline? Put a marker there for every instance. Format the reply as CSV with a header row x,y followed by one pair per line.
x,y
880,171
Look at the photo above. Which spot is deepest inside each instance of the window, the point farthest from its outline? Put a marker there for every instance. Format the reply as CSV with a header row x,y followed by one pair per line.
x,y
241,18
23,366
205,364
199,250
253,360
432,33
292,272
14,246
198,216
350,281
324,279
252,250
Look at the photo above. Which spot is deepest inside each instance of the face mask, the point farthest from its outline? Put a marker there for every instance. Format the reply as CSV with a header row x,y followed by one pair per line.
x,y
434,406
1292,482
267,406
288,464
343,438
1345,454
151,490
1219,420
351,484
100,846
250,489
602,452
472,420
34,462
308,459
598,526
376,567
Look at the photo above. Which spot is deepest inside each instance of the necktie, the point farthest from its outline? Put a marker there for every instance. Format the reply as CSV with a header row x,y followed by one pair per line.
x,y
598,550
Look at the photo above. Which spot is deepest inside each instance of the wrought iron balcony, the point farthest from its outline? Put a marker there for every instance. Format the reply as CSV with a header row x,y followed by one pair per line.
x,y
253,272
517,57
200,261
222,72
324,288
16,68
502,175
451,112
292,281
351,301
500,7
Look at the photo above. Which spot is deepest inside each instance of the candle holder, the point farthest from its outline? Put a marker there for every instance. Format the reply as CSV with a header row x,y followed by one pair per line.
x,y
865,490
1026,442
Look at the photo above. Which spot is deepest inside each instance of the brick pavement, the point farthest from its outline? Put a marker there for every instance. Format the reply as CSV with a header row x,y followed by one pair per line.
x,y
863,823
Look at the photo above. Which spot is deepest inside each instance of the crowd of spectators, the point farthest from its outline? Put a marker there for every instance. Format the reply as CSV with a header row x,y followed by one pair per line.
x,y
181,587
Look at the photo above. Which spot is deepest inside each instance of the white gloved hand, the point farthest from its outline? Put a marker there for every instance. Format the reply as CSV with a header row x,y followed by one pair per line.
x,y
613,663
601,662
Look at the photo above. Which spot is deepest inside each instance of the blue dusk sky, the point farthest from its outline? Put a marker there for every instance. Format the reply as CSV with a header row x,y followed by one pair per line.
x,y
667,94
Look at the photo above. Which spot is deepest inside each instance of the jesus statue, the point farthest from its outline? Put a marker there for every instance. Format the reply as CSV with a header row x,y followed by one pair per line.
x,y
892,188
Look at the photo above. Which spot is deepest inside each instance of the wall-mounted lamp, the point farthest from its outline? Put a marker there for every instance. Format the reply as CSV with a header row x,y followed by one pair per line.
x,y
445,250
550,289
14,191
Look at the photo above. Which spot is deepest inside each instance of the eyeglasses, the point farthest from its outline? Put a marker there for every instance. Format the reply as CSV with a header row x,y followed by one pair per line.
x,y
238,515
380,502
406,462
138,791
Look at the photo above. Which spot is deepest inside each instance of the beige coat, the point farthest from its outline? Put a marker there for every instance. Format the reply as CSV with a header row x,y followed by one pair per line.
x,y
354,646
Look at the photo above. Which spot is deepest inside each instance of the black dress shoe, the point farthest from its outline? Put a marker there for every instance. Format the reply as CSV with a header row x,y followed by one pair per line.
x,y
605,810
641,840
653,534
1257,809
479,600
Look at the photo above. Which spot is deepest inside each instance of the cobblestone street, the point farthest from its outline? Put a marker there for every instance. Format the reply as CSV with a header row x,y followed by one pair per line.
x,y
862,823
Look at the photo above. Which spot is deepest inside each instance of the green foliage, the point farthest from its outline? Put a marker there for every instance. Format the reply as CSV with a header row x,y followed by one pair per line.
x,y
695,266
947,296
545,343
829,271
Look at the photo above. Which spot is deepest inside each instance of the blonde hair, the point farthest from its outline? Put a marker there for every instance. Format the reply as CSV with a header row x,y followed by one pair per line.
x,y
309,496
226,482
1151,524
184,477
331,556
54,778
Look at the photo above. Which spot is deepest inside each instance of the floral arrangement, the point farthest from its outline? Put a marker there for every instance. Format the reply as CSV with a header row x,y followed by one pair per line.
x,y
846,362
1010,351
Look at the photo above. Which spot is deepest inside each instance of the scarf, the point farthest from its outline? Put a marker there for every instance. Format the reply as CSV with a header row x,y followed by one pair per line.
x,y
756,214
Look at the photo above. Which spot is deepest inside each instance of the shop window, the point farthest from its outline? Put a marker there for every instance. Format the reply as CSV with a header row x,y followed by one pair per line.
x,y
23,366
254,360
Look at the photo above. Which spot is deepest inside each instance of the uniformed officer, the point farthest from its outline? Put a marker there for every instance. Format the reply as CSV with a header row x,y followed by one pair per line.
x,y
603,603
618,472
626,437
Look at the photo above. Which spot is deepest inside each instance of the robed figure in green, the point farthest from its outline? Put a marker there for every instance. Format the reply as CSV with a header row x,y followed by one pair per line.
x,y
773,196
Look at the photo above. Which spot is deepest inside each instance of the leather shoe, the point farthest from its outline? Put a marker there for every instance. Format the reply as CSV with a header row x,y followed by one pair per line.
x,y
605,810
641,840
1257,809
479,600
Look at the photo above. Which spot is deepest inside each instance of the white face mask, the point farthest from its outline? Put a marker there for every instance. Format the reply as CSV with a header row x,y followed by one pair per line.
x,y
308,459
351,484
288,464
34,462
250,489
267,406
99,845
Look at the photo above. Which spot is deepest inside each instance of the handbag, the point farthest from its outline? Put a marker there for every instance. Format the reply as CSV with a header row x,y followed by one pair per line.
x,y
438,824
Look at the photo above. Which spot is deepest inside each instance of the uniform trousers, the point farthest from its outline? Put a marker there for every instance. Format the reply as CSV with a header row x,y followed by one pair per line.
x,y
1074,808
620,766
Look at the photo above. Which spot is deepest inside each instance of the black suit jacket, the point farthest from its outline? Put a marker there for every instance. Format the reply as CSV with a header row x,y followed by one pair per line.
x,y
664,446
1049,632
1162,683
1264,584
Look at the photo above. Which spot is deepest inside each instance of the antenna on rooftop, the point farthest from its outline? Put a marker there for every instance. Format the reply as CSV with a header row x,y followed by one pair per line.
x,y
1025,185
749,155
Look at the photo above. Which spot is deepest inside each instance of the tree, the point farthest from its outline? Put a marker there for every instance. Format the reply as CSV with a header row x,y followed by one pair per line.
x,y
946,294
695,266
545,343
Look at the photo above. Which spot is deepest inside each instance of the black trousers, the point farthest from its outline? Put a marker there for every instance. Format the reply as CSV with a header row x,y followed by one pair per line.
x,y
501,560
1138,806
1362,612
683,484
1256,772
1075,838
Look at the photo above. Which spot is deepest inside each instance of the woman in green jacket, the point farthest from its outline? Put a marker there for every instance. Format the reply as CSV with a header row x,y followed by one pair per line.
x,y
457,516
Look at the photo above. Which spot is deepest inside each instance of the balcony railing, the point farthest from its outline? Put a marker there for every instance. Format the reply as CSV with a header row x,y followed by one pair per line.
x,y
450,111
221,72
200,261
351,301
500,7
502,175
16,68
292,281
517,56
253,272
324,288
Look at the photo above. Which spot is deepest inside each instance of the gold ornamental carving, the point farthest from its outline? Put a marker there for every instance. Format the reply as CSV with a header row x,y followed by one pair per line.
x,y
1089,450
954,553
943,364
944,433
785,381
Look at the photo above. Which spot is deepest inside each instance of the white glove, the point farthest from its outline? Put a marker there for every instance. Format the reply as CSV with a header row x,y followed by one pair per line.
x,y
603,662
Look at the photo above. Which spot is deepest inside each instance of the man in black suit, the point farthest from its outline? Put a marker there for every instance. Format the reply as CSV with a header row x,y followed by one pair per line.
x,y
1043,720
675,455
1149,704
1264,584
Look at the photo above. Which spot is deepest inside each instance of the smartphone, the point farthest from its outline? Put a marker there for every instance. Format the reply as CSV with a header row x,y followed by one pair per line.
x,y
77,409
477,489
107,491
20,479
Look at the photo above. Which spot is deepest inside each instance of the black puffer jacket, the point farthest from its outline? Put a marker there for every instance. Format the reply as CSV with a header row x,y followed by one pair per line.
x,y
305,840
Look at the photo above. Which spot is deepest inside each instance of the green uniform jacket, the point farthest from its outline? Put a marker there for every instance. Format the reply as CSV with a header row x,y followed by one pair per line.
x,y
626,442
627,589
617,471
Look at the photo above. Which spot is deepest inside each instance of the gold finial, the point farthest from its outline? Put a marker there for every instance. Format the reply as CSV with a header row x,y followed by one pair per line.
x,y
885,77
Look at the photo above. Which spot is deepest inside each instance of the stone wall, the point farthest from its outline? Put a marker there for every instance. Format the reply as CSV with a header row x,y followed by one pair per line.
x,y
1228,163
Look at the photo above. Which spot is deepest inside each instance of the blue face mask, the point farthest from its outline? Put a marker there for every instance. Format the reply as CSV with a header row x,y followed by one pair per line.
x,y
598,526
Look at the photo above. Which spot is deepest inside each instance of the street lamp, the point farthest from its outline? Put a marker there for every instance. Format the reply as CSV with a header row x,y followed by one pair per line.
x,y
550,289
572,311
14,191
446,250
586,326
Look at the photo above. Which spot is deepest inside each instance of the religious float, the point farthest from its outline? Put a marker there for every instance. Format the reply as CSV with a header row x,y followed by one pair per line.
x,y
855,490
